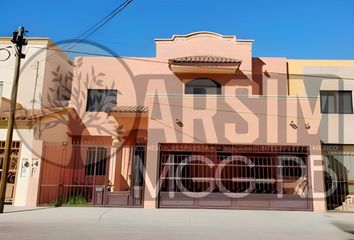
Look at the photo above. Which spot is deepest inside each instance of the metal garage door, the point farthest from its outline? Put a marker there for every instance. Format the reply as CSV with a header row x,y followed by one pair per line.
x,y
234,176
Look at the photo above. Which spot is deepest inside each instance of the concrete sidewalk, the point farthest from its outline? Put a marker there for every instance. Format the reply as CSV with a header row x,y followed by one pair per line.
x,y
119,223
13,209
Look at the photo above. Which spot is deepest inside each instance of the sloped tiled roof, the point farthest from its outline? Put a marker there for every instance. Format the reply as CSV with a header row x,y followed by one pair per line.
x,y
203,59
131,109
25,114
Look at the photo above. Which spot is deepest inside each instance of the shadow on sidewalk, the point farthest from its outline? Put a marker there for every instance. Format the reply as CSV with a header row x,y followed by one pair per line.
x,y
14,209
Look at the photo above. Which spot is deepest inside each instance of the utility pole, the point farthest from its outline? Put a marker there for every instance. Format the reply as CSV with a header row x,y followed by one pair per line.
x,y
18,40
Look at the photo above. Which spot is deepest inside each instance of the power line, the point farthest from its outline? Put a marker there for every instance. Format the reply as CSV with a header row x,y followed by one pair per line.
x,y
235,112
100,54
201,141
97,26
112,14
166,62
101,23
177,130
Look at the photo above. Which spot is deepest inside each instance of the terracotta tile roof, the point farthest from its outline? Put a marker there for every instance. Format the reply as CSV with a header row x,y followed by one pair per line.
x,y
25,114
131,109
203,59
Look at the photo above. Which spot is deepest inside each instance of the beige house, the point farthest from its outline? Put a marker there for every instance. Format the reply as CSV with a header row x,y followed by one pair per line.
x,y
331,81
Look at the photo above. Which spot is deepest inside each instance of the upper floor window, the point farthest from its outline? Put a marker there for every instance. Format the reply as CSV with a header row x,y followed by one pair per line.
x,y
336,102
101,100
203,86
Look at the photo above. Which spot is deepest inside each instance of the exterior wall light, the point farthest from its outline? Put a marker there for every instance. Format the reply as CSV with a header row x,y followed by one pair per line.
x,y
266,74
293,125
179,123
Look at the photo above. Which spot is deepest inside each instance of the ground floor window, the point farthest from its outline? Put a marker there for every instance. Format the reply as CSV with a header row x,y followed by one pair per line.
x,y
96,161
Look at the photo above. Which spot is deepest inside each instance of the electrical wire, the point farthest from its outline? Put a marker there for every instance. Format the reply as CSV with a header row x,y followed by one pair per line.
x,y
177,130
235,112
110,16
97,26
101,23
99,54
166,62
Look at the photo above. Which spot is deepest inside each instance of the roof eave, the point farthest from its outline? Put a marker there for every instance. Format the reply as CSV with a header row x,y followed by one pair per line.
x,y
205,68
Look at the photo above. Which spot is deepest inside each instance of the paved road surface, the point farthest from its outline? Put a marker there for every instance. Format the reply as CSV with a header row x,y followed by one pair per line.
x,y
118,223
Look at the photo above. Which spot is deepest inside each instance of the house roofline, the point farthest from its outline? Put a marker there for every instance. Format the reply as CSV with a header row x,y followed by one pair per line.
x,y
202,33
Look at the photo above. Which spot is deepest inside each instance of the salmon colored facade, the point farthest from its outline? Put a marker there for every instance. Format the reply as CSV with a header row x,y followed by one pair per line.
x,y
251,108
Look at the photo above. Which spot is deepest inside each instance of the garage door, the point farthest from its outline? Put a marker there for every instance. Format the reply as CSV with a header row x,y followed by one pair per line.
x,y
234,176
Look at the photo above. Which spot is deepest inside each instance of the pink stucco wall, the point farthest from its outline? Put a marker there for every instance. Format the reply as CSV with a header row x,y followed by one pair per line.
x,y
253,107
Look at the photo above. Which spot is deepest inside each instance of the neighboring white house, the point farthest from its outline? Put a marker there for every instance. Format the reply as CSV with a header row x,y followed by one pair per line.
x,y
332,83
43,59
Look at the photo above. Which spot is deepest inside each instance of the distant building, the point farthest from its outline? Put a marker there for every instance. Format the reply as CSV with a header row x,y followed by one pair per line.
x,y
33,106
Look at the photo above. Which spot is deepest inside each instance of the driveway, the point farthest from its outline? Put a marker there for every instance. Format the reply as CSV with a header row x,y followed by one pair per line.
x,y
119,223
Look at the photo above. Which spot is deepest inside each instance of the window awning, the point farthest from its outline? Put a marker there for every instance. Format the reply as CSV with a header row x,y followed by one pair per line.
x,y
129,111
204,64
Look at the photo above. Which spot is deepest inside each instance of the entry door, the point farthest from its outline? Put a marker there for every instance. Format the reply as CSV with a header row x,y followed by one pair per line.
x,y
128,186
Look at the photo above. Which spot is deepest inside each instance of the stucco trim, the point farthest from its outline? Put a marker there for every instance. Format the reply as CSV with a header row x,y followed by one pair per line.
x,y
205,33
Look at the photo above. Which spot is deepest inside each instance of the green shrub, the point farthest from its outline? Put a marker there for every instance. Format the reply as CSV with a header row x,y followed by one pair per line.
x,y
77,200
57,203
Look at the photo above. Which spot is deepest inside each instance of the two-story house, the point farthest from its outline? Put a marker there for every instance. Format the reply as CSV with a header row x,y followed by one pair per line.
x,y
203,124
331,82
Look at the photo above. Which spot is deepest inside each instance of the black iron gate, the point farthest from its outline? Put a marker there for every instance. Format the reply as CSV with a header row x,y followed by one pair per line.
x,y
339,180
234,176
91,175
132,196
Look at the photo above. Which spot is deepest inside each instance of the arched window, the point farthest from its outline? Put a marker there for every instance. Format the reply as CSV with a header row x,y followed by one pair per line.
x,y
203,86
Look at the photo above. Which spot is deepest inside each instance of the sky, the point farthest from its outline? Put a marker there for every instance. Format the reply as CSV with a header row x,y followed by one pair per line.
x,y
306,29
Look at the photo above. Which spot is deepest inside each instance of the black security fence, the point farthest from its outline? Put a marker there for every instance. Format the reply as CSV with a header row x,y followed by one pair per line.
x,y
271,175
339,180
92,175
